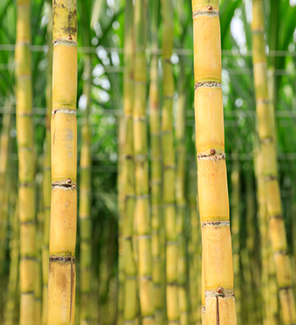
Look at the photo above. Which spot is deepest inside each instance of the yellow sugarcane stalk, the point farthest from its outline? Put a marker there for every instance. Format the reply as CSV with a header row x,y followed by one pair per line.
x,y
261,215
267,143
130,289
250,265
4,190
235,215
169,166
195,264
121,209
61,279
9,316
156,171
142,208
85,203
26,163
39,237
47,169
180,199
212,179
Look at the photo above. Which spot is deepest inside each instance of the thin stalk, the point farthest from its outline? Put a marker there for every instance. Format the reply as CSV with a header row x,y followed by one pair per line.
x,y
39,237
171,235
235,231
156,171
25,141
85,185
180,199
195,265
11,305
212,176
121,209
142,208
130,290
47,168
267,145
61,278
4,190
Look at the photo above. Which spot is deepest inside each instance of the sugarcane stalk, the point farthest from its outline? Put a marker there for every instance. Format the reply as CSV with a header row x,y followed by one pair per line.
x,y
4,190
156,170
266,134
11,305
85,186
169,212
121,209
142,207
130,290
181,200
195,265
47,168
26,163
61,278
235,231
212,179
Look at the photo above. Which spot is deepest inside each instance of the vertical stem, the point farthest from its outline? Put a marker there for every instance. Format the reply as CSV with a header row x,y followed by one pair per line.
x,y
61,279
169,165
195,265
267,145
85,185
47,168
235,231
26,163
4,190
11,305
212,178
121,209
156,170
130,290
142,208
180,199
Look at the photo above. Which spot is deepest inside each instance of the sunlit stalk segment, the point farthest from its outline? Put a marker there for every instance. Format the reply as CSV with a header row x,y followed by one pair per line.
x,y
169,165
142,208
156,170
47,168
268,147
24,125
130,285
212,179
85,192
61,281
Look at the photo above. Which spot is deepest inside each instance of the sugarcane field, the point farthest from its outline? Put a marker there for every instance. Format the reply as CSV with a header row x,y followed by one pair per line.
x,y
147,162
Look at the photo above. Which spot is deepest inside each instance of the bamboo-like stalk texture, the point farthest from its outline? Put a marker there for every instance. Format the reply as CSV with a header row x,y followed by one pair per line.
x,y
61,278
121,209
4,190
47,169
85,205
26,163
235,216
195,265
85,187
156,171
181,200
130,289
10,310
261,214
250,263
212,179
169,166
39,235
142,208
267,145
